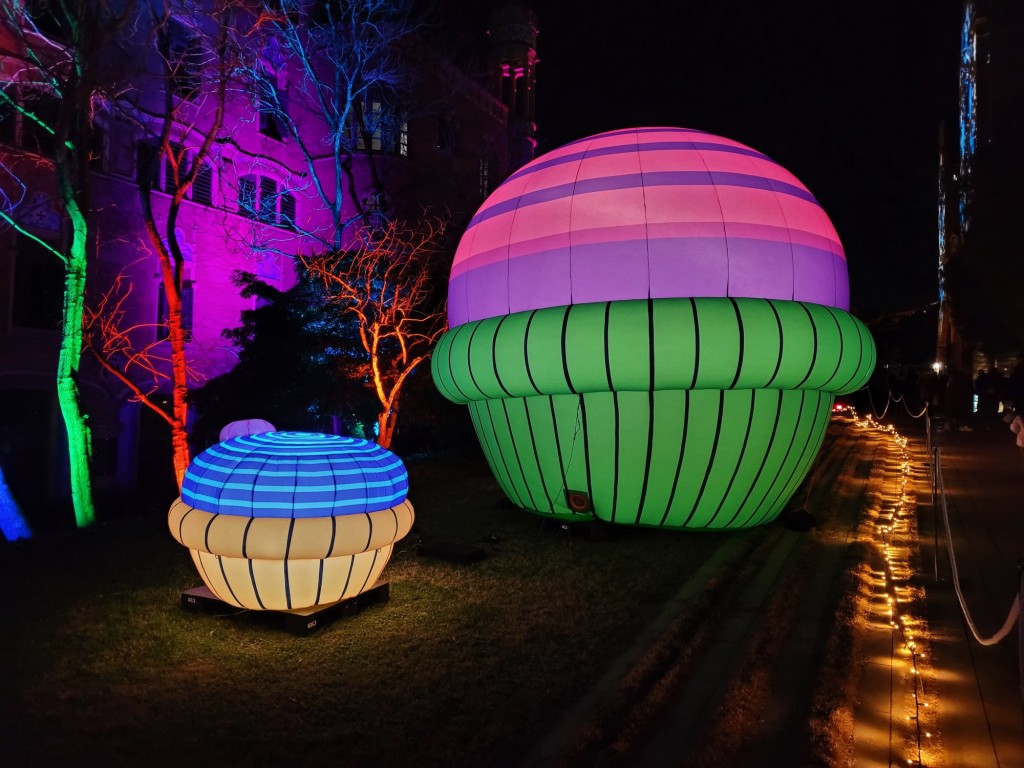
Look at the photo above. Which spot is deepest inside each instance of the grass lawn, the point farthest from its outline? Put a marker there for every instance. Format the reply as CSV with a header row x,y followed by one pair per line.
x,y
466,665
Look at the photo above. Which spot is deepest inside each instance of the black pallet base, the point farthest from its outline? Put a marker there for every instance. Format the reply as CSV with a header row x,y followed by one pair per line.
x,y
302,622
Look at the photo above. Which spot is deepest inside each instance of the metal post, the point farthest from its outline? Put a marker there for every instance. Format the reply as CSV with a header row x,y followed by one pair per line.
x,y
928,429
1020,624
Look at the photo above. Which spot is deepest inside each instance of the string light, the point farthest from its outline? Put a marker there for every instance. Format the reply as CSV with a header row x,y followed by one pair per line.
x,y
895,534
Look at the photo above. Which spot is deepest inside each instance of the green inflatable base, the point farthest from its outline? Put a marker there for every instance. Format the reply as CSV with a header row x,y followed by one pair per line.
x,y
705,459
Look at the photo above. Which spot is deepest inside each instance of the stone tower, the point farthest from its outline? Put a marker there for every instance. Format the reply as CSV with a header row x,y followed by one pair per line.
x,y
513,60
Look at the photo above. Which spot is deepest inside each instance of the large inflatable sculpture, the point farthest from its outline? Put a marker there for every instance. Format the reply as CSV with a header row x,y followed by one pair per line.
x,y
291,520
650,327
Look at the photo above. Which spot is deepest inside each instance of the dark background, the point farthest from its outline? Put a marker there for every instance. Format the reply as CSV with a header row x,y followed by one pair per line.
x,y
847,96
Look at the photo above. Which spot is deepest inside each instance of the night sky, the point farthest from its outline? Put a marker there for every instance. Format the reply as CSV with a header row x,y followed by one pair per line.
x,y
847,96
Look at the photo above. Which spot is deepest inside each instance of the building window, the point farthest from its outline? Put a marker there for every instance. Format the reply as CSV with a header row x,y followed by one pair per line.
x,y
388,130
485,177
447,136
175,156
187,302
403,138
147,169
260,199
202,187
268,121
34,136
162,313
272,103
98,149
288,211
184,60
38,286
268,201
247,190
20,125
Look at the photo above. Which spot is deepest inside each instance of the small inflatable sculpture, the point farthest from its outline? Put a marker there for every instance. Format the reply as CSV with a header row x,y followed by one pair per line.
x,y
650,327
245,427
291,520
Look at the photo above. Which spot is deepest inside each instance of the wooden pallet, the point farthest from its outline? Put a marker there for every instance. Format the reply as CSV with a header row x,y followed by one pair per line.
x,y
301,622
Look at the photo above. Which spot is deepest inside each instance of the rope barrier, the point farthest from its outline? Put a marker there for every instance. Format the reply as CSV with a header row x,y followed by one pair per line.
x,y
1011,619
890,398
906,407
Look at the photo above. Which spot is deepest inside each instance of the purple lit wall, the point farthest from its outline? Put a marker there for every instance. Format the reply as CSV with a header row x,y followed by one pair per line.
x,y
646,213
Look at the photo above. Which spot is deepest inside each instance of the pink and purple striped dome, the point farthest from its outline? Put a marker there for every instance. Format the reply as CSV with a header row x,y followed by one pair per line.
x,y
646,213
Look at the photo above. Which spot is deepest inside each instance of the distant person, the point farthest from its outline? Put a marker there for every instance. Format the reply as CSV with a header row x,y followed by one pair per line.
x,y
985,386
1017,427
1015,385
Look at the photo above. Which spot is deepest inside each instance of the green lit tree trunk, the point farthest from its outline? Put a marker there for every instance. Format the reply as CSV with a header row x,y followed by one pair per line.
x,y
75,423
74,74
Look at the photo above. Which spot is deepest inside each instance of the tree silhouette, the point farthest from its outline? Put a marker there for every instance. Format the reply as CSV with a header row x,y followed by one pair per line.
x,y
56,70
182,111
291,355
383,284
329,78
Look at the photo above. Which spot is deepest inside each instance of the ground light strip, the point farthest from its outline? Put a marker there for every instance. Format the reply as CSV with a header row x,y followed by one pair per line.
x,y
895,535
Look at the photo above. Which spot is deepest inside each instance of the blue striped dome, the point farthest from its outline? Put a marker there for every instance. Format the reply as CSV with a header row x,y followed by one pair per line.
x,y
294,474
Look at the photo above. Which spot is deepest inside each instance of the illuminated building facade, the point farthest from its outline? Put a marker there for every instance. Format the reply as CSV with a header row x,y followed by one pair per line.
x,y
253,207
979,174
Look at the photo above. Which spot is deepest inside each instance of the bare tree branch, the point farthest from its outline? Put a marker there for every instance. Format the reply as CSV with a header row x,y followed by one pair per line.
x,y
383,283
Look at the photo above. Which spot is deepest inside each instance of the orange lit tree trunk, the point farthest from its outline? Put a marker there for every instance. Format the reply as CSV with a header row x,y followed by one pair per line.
x,y
133,353
188,129
383,285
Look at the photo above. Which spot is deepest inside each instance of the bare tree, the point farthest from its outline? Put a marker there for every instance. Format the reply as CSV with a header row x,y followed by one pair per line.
x,y
54,77
194,66
383,285
127,350
329,77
